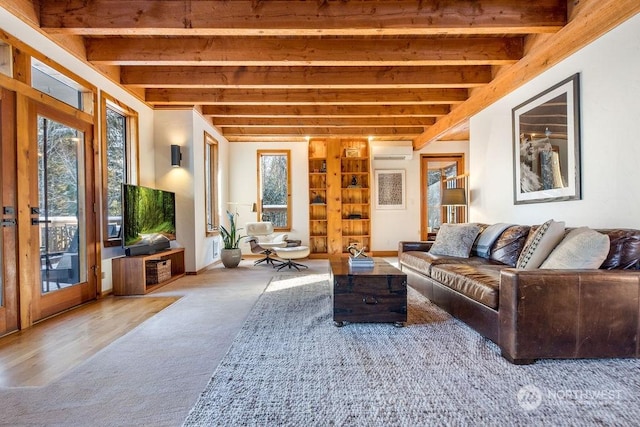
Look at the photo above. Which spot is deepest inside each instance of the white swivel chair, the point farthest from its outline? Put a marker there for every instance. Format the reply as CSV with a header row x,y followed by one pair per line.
x,y
263,240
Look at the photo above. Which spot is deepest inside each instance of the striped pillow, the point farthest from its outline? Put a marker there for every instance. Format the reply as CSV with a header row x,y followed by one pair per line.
x,y
540,244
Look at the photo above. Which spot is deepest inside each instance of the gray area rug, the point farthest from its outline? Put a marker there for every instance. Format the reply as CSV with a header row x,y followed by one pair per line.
x,y
290,365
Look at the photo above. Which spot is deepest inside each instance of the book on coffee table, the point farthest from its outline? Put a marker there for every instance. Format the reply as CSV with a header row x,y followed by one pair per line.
x,y
361,262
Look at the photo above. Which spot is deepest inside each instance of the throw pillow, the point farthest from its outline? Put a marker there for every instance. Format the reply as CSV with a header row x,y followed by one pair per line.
x,y
455,240
540,244
486,239
581,248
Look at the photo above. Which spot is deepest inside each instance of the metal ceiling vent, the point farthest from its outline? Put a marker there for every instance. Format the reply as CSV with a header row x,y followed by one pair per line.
x,y
391,150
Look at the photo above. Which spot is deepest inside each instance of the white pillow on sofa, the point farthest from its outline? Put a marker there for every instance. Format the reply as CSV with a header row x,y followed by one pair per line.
x,y
455,240
581,248
540,244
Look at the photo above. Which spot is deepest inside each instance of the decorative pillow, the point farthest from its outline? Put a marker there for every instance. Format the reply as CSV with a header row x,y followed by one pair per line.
x,y
508,247
540,244
581,248
455,240
487,237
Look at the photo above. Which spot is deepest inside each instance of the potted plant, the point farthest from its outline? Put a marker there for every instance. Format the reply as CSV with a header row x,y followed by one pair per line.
x,y
231,253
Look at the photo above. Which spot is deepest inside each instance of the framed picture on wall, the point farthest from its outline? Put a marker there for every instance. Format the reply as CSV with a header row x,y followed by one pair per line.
x,y
389,189
546,145
351,152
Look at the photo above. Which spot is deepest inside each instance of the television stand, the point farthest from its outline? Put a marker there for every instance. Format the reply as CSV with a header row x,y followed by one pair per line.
x,y
130,275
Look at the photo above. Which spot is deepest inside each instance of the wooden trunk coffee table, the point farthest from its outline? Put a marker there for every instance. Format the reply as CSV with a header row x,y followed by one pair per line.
x,y
374,294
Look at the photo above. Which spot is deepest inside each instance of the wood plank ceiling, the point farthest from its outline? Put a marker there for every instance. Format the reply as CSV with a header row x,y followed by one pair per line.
x,y
285,70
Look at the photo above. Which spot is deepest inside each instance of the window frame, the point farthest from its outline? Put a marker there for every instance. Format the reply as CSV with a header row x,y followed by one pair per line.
x,y
457,158
84,92
131,156
211,187
271,152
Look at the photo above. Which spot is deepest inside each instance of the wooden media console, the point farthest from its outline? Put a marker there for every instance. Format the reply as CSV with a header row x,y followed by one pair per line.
x,y
130,272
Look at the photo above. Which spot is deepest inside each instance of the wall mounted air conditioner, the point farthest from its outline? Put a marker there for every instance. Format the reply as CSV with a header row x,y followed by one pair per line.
x,y
391,150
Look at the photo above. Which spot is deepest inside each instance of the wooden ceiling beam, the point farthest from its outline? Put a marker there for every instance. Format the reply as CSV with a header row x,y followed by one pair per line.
x,y
223,122
305,96
298,51
300,111
27,10
265,138
293,17
317,131
303,138
307,77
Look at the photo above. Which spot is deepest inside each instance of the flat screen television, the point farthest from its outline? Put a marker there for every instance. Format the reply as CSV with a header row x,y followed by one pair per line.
x,y
147,213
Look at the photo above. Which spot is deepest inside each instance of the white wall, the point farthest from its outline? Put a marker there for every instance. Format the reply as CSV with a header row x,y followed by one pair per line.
x,y
186,128
391,226
610,102
243,184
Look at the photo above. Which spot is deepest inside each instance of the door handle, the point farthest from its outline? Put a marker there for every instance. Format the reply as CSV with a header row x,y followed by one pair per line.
x,y
37,221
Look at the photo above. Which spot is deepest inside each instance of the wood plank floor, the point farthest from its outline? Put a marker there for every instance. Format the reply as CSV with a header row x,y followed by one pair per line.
x,y
42,353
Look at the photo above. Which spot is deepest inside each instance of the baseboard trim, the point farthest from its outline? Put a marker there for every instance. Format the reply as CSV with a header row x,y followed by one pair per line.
x,y
203,269
384,253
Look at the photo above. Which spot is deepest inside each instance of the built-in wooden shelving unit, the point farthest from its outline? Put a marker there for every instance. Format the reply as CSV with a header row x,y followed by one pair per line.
x,y
318,223
356,194
339,195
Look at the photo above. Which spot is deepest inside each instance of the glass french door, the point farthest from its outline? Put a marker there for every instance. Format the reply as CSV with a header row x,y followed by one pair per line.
x,y
435,169
9,315
65,214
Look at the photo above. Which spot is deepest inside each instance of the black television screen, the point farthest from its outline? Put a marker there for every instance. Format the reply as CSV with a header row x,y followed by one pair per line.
x,y
147,212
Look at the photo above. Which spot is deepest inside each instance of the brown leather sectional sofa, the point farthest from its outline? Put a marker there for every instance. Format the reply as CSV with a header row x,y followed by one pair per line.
x,y
533,314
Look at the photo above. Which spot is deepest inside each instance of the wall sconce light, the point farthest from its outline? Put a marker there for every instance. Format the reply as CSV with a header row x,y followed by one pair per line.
x,y
176,156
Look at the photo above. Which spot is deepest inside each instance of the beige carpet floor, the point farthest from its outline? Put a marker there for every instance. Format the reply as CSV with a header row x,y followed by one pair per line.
x,y
153,375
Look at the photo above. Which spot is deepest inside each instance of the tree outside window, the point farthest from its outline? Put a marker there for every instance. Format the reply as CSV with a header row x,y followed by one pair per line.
x,y
116,166
119,155
274,179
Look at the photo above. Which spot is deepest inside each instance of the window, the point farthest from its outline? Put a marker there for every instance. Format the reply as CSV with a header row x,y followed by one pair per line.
x,y
119,155
274,183
54,83
5,59
61,198
435,169
211,184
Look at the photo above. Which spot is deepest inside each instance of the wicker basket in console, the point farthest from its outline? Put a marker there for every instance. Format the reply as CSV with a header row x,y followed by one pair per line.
x,y
158,270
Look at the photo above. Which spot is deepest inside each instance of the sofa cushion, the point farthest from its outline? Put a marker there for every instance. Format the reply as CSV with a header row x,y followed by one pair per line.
x,y
540,243
478,282
625,248
508,247
455,240
424,261
581,248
